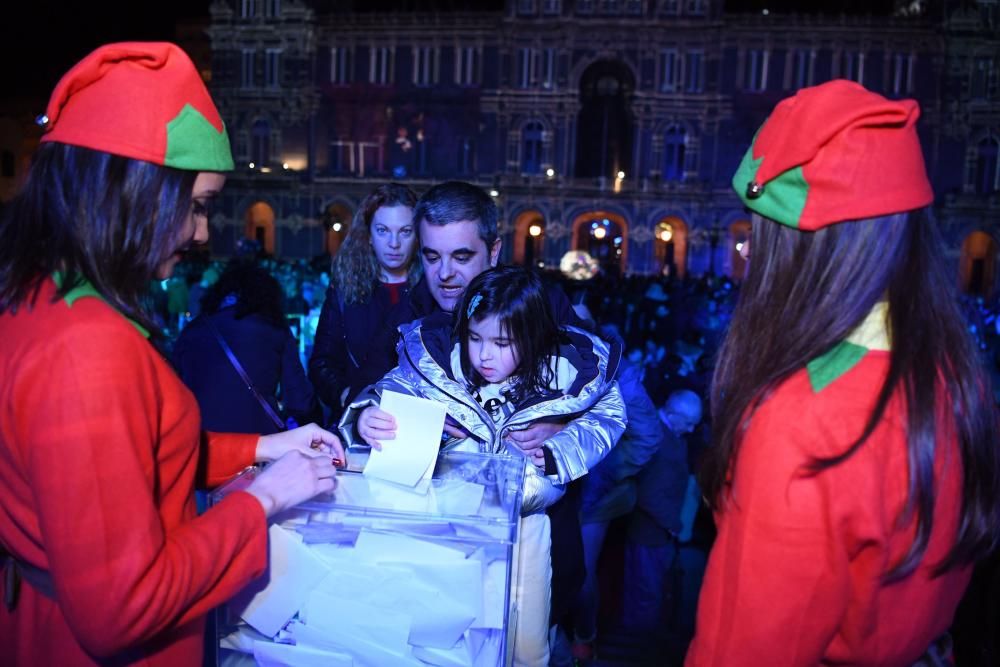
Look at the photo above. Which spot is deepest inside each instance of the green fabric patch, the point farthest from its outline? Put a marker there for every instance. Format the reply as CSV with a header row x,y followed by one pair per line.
x,y
784,196
84,288
829,366
192,143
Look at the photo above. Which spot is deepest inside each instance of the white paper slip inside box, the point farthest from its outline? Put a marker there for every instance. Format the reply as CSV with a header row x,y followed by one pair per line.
x,y
407,458
293,570
376,547
267,654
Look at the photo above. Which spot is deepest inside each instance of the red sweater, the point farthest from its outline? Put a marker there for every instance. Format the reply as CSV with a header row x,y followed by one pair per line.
x,y
794,576
99,445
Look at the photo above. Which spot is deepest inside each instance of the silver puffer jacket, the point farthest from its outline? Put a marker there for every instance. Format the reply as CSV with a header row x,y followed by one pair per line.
x,y
591,405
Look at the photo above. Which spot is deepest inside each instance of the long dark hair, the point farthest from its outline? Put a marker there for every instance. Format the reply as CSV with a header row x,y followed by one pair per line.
x,y
92,216
253,289
804,293
355,268
516,296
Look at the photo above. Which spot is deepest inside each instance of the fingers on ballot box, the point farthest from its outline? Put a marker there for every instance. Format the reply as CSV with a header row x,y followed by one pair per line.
x,y
377,574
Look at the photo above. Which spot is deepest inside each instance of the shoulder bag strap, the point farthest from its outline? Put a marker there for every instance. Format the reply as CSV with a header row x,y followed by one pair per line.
x,y
246,378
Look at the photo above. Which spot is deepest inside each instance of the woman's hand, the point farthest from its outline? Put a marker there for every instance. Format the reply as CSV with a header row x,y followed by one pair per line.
x,y
310,440
293,479
375,425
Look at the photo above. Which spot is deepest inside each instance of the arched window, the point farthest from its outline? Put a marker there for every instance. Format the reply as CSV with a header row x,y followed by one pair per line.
x,y
260,143
531,148
987,176
674,143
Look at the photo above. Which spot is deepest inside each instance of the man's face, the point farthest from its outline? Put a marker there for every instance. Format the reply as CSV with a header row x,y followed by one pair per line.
x,y
453,255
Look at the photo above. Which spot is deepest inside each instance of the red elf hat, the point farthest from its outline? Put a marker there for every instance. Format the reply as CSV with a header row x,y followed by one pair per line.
x,y
832,153
141,100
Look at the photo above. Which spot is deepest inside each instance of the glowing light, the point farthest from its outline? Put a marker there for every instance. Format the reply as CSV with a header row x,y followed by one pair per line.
x,y
337,226
535,230
664,232
600,233
739,247
265,170
579,265
494,193
621,175
284,165
251,165
550,172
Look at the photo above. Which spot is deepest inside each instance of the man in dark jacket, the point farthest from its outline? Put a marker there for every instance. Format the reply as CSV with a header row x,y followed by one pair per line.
x,y
656,523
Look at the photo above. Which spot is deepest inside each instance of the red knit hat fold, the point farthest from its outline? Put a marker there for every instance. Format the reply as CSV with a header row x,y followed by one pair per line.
x,y
832,153
142,100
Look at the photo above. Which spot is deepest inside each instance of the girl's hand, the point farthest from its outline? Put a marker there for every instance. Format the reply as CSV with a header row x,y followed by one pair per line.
x,y
534,436
310,440
293,479
453,428
537,456
375,425
529,441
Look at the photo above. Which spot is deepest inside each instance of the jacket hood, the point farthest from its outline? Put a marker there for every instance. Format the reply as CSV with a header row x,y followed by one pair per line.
x,y
428,345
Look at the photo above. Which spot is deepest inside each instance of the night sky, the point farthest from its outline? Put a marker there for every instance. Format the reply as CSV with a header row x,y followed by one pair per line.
x,y
44,38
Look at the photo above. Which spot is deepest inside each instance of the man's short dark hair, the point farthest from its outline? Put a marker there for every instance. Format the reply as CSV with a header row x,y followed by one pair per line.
x,y
457,201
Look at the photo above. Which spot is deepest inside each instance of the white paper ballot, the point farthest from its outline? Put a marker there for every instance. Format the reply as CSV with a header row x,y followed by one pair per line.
x,y
347,621
456,656
293,570
285,655
364,652
494,596
373,547
407,458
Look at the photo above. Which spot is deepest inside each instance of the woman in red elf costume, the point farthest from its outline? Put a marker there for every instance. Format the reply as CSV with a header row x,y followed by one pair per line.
x,y
855,471
104,558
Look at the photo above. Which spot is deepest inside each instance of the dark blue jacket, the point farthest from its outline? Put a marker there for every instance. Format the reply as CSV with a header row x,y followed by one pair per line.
x,y
268,353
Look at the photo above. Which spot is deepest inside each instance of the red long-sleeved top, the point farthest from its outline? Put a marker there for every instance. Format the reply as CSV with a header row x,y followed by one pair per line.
x,y
794,577
99,445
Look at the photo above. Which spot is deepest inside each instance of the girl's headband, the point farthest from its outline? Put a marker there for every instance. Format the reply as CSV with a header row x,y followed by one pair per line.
x,y
473,304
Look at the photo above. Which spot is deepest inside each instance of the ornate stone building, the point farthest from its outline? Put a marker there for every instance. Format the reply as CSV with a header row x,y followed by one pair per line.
x,y
609,126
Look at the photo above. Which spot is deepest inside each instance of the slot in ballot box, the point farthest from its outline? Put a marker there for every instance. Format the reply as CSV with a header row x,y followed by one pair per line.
x,y
375,574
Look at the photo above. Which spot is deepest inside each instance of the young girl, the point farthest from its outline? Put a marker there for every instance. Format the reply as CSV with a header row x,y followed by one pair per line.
x,y
500,366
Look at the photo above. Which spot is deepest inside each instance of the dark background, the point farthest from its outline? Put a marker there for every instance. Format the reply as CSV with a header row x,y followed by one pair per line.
x,y
41,39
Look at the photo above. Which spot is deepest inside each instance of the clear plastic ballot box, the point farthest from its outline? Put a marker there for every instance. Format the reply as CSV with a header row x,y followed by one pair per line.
x,y
375,574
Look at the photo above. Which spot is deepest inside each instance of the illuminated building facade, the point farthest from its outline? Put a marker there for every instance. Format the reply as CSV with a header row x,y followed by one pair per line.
x,y
609,126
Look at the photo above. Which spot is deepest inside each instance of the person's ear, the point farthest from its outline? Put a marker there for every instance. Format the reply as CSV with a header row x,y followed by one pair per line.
x,y
495,252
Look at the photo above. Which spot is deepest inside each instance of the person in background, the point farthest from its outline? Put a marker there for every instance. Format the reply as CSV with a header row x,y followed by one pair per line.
x,y
372,274
244,309
208,278
609,492
104,558
855,468
655,527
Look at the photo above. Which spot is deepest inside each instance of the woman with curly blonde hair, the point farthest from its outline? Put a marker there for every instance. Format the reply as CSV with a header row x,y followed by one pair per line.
x,y
371,275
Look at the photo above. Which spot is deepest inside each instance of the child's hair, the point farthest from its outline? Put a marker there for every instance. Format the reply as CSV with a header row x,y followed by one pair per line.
x,y
517,298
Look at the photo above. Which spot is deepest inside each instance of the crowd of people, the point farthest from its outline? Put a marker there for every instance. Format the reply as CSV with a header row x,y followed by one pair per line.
x,y
773,455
